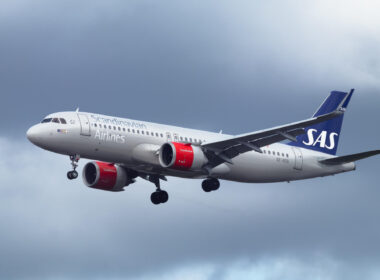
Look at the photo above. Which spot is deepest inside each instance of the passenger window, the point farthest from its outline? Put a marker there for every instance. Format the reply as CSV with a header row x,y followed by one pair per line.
x,y
264,152
129,130
181,138
156,134
138,131
191,140
109,127
283,155
287,155
55,120
124,129
142,131
63,121
162,135
186,139
278,153
119,128
133,130
94,124
152,133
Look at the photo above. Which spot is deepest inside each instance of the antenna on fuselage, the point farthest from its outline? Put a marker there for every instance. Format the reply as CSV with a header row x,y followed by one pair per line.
x,y
77,110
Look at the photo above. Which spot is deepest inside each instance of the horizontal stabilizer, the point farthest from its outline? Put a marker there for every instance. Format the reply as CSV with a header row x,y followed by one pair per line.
x,y
349,158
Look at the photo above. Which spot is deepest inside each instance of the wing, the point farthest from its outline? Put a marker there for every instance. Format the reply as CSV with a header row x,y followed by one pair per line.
x,y
225,150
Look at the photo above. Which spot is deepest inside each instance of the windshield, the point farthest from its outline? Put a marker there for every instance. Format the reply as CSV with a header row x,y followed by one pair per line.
x,y
46,120
54,120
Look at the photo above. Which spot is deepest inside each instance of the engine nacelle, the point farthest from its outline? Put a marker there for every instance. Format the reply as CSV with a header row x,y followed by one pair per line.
x,y
104,176
182,156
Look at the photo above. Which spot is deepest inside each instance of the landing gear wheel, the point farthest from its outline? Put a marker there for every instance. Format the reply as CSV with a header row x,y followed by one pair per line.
x,y
74,174
155,198
164,196
74,163
159,197
205,187
211,184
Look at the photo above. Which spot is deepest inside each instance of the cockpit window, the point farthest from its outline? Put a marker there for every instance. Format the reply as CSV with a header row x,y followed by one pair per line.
x,y
63,121
55,120
46,120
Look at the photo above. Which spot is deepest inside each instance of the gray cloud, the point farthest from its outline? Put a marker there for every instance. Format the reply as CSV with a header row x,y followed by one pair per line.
x,y
55,228
205,64
196,60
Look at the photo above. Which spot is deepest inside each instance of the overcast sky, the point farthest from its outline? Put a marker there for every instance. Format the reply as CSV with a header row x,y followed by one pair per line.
x,y
232,65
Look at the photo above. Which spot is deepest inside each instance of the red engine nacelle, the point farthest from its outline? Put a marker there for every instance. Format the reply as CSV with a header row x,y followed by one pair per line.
x,y
105,176
182,156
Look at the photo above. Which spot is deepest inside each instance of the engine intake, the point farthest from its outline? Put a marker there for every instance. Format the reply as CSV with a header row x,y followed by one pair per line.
x,y
182,156
104,176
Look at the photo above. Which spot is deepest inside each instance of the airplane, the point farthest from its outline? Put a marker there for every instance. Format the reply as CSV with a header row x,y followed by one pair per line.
x,y
125,149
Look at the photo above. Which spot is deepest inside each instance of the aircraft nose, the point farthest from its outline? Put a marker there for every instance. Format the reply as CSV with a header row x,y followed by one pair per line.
x,y
32,134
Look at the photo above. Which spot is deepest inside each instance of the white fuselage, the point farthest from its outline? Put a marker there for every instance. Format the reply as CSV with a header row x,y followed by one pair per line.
x,y
134,144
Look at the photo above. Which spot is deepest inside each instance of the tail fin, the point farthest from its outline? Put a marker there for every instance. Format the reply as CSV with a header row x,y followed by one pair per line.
x,y
324,137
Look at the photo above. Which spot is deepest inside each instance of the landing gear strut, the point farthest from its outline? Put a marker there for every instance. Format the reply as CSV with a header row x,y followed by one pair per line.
x,y
159,196
210,184
74,163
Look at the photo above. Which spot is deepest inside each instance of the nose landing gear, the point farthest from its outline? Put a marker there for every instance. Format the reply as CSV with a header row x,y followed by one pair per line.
x,y
74,163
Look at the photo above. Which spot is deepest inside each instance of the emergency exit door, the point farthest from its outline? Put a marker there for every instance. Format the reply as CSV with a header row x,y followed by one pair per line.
x,y
298,161
84,125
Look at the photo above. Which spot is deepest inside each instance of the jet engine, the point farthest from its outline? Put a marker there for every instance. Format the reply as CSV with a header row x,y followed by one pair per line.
x,y
105,176
182,156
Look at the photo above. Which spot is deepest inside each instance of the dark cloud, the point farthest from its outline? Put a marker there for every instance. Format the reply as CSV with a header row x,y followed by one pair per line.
x,y
205,64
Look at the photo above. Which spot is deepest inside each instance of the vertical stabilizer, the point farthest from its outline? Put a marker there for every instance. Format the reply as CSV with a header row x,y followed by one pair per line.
x,y
324,137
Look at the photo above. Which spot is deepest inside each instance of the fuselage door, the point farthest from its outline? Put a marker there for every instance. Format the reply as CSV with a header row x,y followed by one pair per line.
x,y
168,137
176,139
84,125
298,160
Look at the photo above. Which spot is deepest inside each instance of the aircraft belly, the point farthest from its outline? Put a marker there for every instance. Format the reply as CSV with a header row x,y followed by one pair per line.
x,y
260,168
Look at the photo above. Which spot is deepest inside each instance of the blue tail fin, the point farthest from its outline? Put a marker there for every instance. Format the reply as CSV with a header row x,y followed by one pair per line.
x,y
324,137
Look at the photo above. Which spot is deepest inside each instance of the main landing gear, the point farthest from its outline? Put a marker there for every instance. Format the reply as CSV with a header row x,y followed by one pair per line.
x,y
74,163
210,184
159,196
